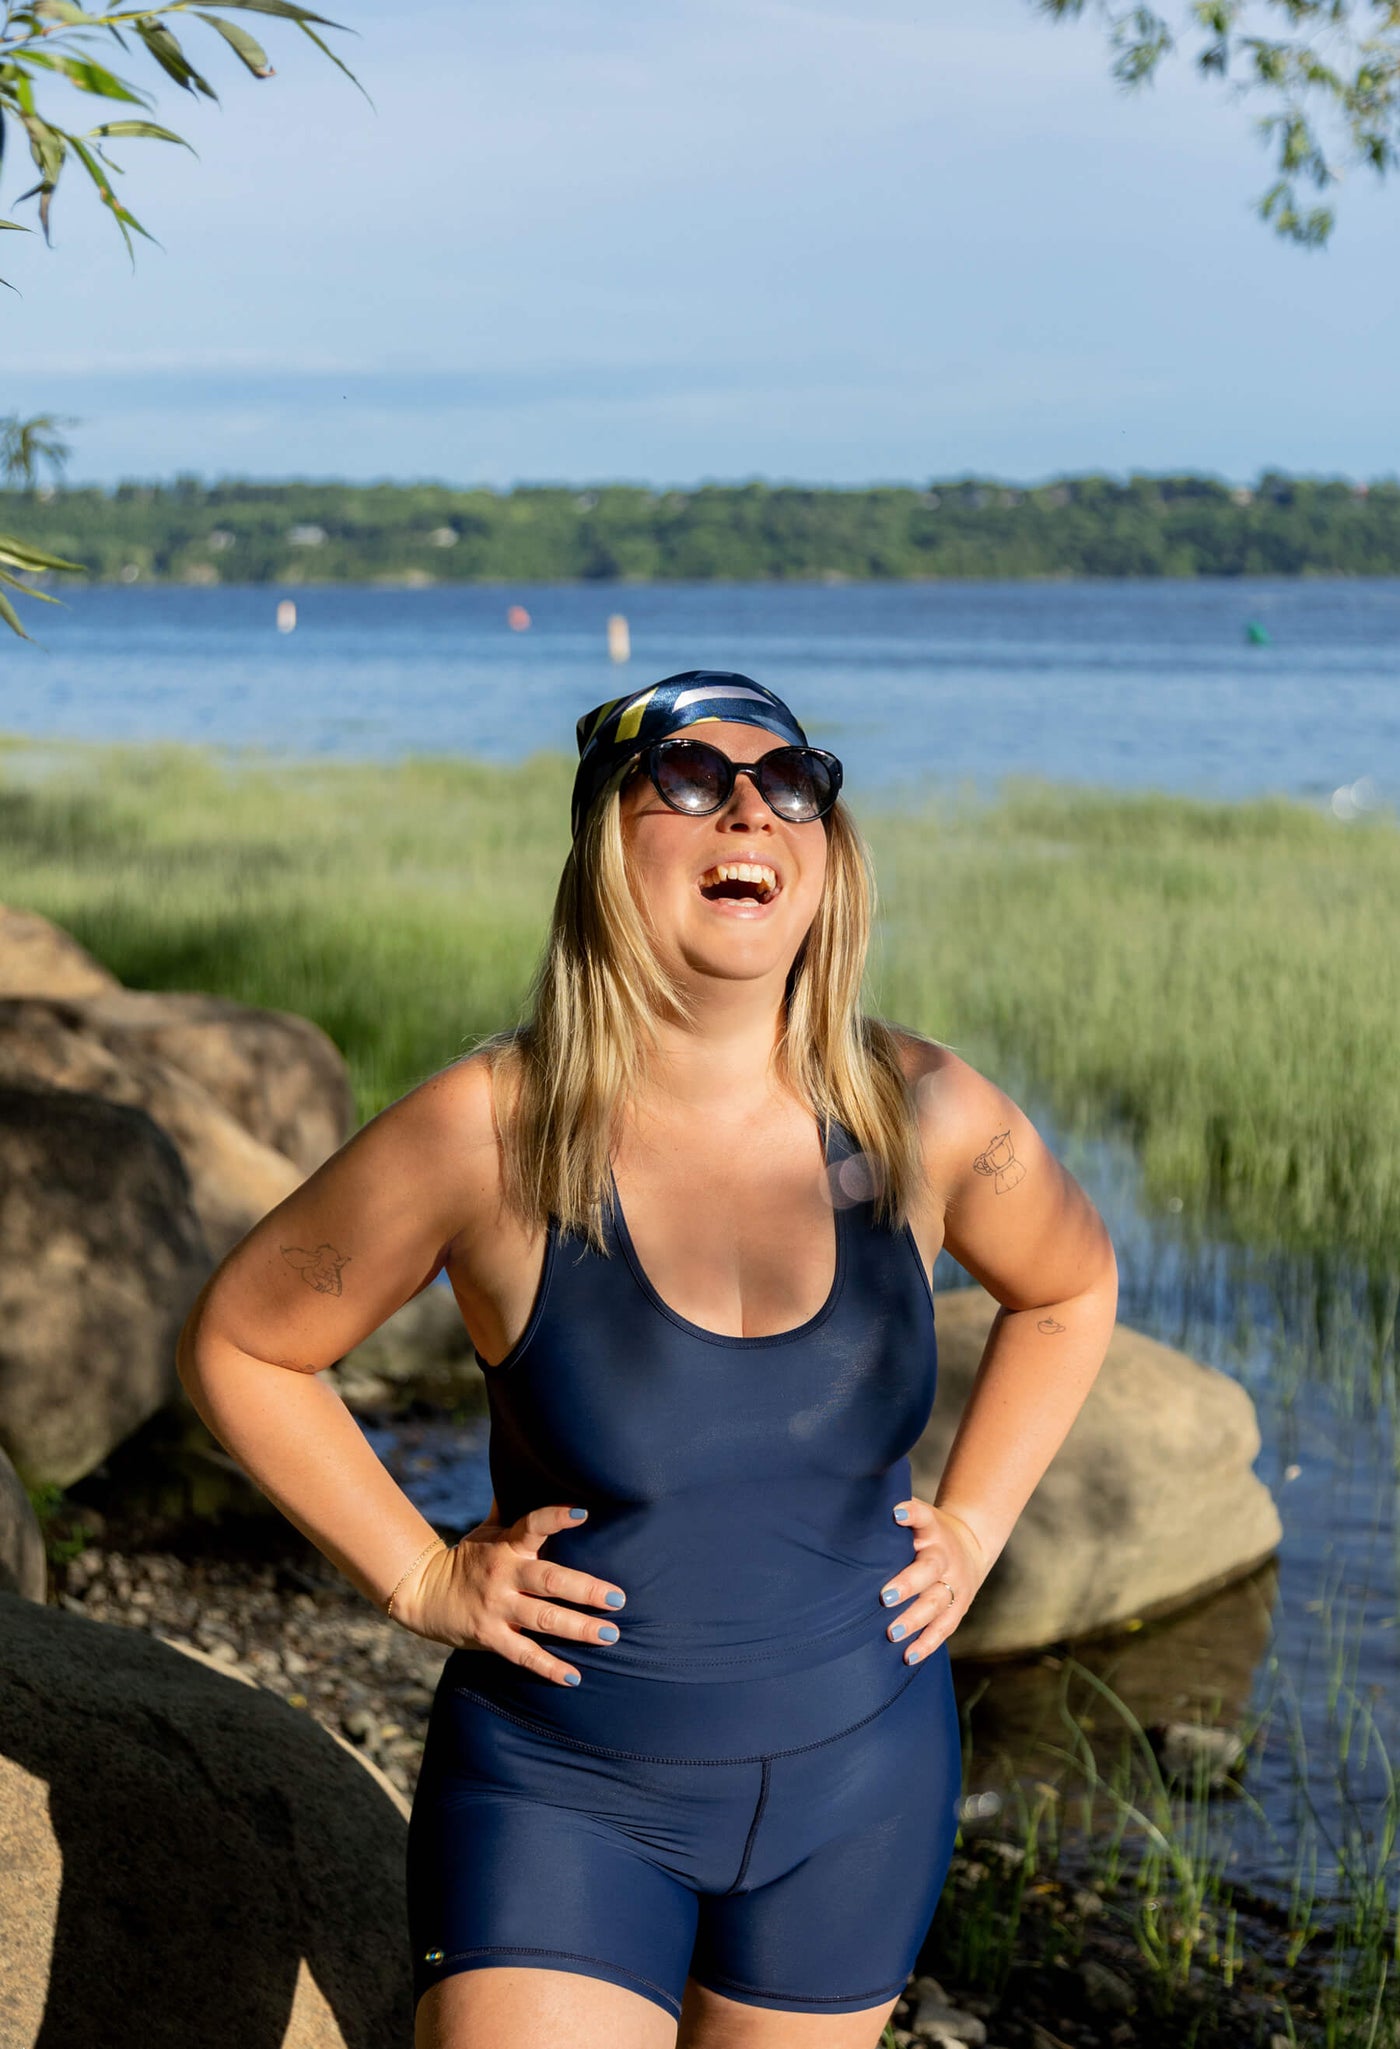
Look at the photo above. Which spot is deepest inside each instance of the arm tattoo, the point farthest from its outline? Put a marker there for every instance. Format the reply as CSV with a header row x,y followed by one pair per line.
x,y
1050,1327
1000,1161
319,1269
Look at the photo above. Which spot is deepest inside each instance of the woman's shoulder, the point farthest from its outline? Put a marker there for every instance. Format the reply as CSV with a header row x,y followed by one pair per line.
x,y
955,1105
446,1127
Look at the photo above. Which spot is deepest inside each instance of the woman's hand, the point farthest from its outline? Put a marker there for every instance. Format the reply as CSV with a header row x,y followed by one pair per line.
x,y
947,1570
492,1586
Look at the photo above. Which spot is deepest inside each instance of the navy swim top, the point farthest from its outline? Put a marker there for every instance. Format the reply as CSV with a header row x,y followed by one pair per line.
x,y
739,1490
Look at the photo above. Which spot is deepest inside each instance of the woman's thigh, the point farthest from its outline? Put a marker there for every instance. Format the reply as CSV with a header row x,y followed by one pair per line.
x,y
505,2007
710,2021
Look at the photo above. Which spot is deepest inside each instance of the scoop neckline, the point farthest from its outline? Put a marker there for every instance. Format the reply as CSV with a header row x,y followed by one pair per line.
x,y
716,1337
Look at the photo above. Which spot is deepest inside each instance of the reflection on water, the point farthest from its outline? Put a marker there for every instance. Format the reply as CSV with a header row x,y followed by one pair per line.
x,y
1303,1656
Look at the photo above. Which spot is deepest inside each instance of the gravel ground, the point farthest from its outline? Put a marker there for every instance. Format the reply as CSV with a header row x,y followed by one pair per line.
x,y
278,1613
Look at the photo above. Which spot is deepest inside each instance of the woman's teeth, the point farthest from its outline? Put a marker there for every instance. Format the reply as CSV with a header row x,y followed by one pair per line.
x,y
756,873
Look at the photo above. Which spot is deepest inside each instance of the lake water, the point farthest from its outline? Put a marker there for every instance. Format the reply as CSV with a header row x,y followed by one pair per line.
x,y
1131,684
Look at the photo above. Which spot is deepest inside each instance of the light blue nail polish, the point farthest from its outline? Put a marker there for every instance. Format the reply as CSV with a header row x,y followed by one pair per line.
x,y
901,1515
890,1596
572,1679
608,1633
912,1657
577,1514
897,1632
614,1600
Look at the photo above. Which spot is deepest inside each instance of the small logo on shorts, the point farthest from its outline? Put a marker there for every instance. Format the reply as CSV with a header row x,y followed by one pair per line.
x,y
433,1956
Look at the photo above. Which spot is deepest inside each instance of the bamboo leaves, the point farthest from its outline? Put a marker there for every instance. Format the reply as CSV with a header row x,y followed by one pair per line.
x,y
59,40
17,554
61,43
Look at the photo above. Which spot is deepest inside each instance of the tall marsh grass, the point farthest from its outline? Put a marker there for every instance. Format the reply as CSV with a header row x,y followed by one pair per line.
x,y
1221,979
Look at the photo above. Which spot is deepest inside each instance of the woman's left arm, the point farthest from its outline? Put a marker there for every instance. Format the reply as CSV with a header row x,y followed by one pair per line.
x,y
1021,1225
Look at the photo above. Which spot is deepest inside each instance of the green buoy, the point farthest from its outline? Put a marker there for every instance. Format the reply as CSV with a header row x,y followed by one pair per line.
x,y
1255,634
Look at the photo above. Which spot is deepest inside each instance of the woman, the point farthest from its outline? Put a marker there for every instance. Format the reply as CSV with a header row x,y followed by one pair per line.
x,y
694,1756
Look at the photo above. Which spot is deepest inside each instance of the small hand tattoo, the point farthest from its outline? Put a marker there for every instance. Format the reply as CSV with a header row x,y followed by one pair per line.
x,y
1049,1326
319,1269
1000,1161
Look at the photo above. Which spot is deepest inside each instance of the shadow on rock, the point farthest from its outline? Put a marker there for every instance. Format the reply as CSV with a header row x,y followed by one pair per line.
x,y
184,1856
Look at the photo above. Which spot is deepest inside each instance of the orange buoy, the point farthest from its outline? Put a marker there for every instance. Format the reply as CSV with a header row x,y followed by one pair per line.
x,y
518,619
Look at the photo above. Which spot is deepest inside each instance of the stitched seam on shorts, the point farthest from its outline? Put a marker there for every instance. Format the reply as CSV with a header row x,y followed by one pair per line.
x,y
802,1998
753,1826
574,1956
655,1757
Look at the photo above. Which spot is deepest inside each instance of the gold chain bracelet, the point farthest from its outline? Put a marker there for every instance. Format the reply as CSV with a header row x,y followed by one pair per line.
x,y
389,1603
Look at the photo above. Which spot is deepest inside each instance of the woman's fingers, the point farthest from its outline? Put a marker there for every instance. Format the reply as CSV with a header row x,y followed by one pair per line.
x,y
932,1592
562,1583
543,1590
531,1531
552,1618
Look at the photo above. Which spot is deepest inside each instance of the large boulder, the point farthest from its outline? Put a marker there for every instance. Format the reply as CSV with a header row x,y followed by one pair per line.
x,y
1149,1504
234,1178
421,1354
184,1856
277,1074
23,1563
101,1256
38,959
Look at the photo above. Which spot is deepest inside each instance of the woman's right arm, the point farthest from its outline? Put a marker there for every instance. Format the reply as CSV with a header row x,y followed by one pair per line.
x,y
332,1262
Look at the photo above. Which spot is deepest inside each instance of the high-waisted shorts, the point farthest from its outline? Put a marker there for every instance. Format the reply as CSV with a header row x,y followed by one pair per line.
x,y
802,1875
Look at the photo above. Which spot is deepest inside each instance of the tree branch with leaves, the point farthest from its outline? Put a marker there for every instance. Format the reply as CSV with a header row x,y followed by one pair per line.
x,y
1327,70
56,41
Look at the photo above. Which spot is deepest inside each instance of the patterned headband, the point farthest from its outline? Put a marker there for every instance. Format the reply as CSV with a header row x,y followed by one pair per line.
x,y
615,732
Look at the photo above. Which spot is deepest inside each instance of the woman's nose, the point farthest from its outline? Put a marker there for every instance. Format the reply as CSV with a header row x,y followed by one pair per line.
x,y
746,808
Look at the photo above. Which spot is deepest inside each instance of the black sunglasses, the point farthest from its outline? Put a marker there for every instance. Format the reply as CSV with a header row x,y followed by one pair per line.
x,y
800,784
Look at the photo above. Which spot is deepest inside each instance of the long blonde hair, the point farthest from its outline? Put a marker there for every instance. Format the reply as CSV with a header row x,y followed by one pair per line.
x,y
561,1080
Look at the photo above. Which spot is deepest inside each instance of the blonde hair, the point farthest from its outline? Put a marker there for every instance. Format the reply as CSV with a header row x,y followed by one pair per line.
x,y
561,1080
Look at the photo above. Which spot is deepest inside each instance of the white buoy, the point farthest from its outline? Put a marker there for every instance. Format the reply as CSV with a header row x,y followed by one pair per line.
x,y
619,639
286,616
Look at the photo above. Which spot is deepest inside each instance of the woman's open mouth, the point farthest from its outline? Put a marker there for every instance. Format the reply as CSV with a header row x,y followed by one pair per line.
x,y
741,883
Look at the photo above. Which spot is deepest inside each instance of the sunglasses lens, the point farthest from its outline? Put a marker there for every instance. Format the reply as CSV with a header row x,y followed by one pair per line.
x,y
798,783
691,776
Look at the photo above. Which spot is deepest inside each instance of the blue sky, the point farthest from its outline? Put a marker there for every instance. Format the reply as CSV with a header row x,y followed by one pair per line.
x,y
587,239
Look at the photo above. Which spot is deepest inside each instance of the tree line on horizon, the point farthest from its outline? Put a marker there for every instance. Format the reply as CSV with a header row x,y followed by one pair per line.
x,y
190,532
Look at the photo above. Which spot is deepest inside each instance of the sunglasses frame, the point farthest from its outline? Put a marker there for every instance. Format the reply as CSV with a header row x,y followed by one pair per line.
x,y
647,763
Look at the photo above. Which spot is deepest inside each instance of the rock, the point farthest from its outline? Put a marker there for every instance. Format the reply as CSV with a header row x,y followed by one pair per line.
x,y
422,1353
38,959
23,1564
234,1178
1186,1749
101,1255
938,2022
1149,1504
242,1864
1104,1989
1041,2038
276,1074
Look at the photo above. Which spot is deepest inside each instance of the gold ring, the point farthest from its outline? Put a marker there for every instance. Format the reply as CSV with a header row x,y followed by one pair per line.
x,y
951,1595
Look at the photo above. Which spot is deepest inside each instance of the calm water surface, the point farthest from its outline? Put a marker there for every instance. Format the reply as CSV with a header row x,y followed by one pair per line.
x,y
1131,684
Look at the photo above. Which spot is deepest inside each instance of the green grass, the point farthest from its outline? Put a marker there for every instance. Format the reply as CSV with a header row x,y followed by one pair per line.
x,y
1218,979
1215,977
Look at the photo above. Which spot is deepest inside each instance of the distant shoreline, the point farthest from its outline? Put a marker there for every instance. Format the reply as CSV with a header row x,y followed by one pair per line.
x,y
1088,528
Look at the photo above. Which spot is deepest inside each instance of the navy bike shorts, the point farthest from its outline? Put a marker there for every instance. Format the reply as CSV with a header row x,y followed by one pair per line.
x,y
801,1877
